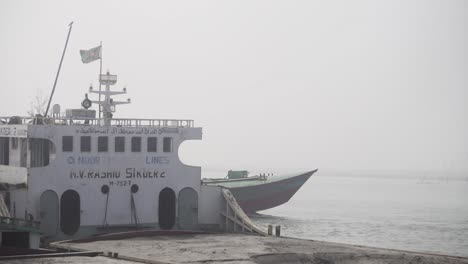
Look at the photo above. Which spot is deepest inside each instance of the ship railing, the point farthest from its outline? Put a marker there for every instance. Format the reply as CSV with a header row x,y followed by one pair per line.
x,y
10,223
117,122
151,122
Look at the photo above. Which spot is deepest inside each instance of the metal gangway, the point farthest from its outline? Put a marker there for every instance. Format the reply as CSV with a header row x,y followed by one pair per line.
x,y
235,219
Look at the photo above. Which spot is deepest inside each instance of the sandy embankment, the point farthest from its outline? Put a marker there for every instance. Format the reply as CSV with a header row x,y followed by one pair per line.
x,y
233,248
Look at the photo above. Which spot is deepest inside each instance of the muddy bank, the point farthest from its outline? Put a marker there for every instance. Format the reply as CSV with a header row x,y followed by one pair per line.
x,y
233,248
68,260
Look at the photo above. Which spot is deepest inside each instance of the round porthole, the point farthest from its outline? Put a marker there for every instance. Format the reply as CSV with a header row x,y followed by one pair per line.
x,y
105,189
134,188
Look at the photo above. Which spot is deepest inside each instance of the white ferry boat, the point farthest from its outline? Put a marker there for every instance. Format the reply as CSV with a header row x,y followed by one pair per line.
x,y
79,175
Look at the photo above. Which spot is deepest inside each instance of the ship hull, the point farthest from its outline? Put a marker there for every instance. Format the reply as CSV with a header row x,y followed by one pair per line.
x,y
262,196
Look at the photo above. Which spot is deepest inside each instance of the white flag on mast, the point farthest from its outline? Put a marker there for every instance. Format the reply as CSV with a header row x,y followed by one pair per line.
x,y
90,55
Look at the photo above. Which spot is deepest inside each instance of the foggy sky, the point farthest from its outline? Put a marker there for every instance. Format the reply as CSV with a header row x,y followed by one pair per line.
x,y
343,85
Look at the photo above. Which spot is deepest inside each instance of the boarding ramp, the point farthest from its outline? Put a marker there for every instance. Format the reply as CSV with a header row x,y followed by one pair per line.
x,y
235,219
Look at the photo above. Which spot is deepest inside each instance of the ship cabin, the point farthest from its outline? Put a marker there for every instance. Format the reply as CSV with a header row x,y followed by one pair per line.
x,y
80,176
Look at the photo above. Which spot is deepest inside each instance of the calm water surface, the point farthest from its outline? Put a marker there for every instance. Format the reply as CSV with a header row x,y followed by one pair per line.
x,y
416,214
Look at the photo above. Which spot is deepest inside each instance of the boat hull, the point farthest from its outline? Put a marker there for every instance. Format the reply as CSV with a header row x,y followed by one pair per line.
x,y
267,195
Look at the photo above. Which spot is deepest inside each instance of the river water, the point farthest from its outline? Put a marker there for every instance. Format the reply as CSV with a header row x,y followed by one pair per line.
x,y
408,213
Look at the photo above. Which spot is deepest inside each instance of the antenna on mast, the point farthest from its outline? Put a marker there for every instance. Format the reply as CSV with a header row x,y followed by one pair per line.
x,y
108,104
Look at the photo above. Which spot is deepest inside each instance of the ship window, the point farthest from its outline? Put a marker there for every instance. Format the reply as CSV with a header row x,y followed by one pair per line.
x,y
24,152
67,143
40,152
4,151
136,144
85,144
167,144
119,144
152,144
103,144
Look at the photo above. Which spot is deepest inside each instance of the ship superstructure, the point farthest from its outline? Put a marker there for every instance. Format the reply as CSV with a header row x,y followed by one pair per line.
x,y
81,175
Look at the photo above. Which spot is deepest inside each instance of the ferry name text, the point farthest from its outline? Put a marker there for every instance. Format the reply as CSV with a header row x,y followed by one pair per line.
x,y
130,173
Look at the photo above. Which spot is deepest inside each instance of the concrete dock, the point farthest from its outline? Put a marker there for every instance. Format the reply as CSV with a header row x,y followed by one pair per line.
x,y
238,248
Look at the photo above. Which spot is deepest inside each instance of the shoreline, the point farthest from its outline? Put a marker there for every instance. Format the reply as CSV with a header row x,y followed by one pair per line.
x,y
241,248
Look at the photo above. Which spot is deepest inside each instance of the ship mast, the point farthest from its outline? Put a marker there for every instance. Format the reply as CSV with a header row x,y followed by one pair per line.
x,y
58,71
108,104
